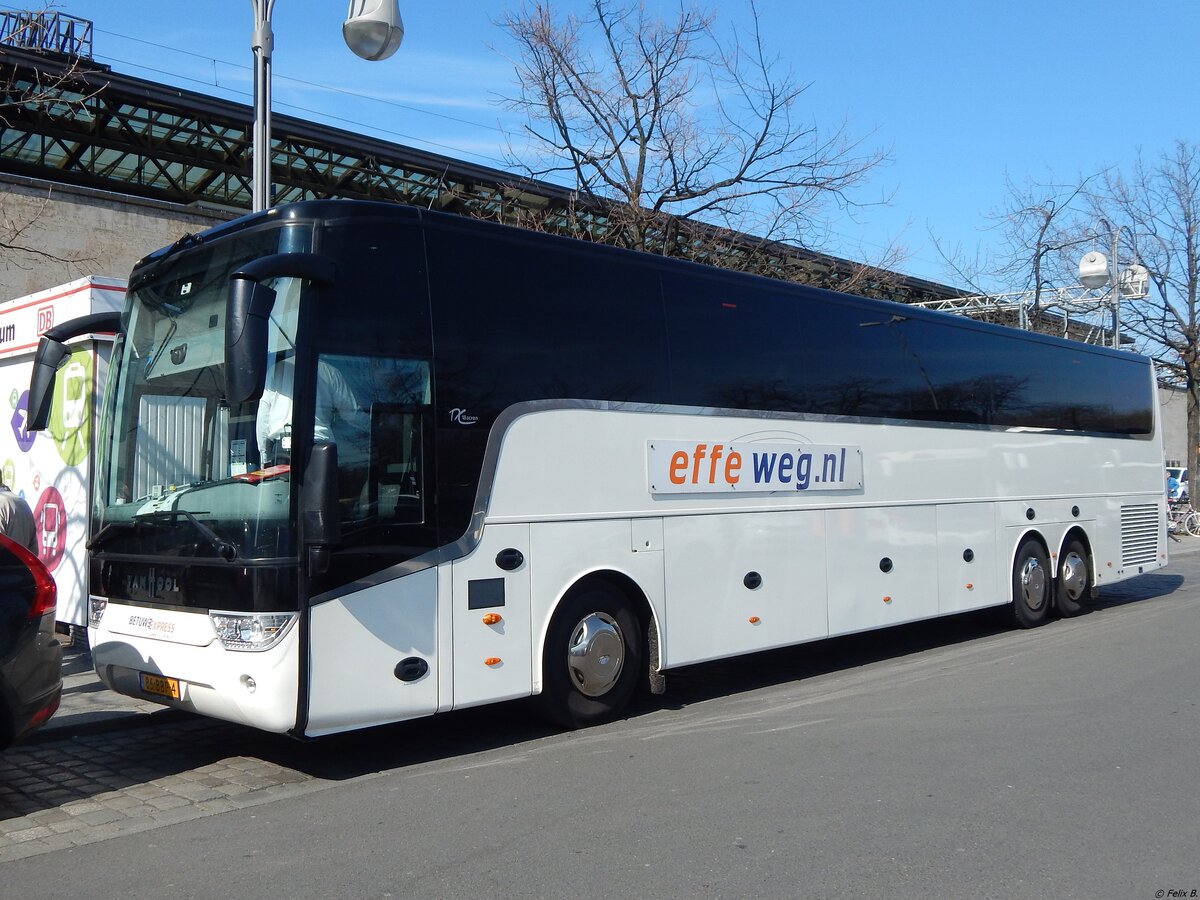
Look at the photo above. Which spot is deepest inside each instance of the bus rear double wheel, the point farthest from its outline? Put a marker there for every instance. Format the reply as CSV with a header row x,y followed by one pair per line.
x,y
1074,579
593,656
1032,584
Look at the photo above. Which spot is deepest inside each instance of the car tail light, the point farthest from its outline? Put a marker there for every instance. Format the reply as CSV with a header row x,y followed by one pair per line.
x,y
42,716
45,591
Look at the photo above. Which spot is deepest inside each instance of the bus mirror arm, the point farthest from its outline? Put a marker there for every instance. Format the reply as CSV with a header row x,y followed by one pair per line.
x,y
249,309
319,506
51,352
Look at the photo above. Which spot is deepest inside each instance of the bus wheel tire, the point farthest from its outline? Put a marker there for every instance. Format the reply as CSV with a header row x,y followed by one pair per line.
x,y
1033,584
593,656
1074,579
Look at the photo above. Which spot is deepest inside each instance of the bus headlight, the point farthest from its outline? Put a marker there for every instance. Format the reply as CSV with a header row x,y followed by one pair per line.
x,y
251,631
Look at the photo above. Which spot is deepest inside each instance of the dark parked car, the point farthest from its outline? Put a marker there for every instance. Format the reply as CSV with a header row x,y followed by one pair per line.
x,y
30,654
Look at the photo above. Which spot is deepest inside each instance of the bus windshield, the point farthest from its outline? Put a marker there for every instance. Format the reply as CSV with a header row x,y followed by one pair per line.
x,y
175,454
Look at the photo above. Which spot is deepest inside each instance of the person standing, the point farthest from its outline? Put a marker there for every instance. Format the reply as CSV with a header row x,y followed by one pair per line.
x,y
16,519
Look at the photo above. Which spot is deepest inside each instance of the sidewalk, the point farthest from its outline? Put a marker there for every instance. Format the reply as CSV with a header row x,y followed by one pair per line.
x,y
89,707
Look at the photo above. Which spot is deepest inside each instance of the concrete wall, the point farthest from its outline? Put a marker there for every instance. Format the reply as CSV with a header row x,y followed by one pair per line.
x,y
82,232
1173,403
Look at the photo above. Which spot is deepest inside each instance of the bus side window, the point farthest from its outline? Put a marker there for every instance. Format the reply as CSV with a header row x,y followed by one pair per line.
x,y
394,487
375,417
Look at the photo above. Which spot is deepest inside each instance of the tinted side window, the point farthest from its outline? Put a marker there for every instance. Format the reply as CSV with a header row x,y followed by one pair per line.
x,y
515,321
381,305
978,377
1133,397
1114,392
743,344
733,346
1010,379
860,362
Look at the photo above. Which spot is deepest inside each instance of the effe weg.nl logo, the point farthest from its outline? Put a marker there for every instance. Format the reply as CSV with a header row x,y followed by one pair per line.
x,y
678,467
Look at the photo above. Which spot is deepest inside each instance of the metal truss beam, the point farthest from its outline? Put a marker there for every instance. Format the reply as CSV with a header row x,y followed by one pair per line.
x,y
127,135
1076,312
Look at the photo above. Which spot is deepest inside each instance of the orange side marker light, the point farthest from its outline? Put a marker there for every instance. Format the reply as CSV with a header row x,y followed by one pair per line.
x,y
492,619
492,661
754,620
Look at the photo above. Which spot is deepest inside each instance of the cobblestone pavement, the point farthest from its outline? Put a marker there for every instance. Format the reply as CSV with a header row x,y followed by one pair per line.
x,y
59,794
83,790
107,765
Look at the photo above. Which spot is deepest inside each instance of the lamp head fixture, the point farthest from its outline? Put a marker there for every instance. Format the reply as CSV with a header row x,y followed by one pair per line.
x,y
373,28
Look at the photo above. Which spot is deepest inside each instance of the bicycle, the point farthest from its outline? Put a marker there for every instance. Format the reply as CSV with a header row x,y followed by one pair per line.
x,y
1182,517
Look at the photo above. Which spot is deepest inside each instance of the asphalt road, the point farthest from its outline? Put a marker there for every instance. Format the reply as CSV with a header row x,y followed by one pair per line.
x,y
950,759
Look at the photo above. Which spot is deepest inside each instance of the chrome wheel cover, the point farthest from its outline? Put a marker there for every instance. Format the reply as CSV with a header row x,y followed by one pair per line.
x,y
595,654
1033,583
1074,575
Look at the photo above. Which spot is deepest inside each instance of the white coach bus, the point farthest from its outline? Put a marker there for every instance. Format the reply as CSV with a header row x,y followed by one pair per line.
x,y
362,462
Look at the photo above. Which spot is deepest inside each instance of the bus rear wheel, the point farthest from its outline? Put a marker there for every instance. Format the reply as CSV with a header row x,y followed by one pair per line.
x,y
1033,584
593,654
1074,579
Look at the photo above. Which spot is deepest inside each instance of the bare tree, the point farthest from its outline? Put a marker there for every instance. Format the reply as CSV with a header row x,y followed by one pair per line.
x,y
26,87
666,123
1043,227
1039,225
1157,209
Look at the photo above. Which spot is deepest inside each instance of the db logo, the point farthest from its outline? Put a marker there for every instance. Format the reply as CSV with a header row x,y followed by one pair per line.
x,y
50,519
45,318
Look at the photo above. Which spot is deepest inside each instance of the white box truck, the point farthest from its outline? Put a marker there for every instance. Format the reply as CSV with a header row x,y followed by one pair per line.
x,y
53,469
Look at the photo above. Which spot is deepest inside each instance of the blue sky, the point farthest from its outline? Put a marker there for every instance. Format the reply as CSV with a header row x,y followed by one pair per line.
x,y
962,94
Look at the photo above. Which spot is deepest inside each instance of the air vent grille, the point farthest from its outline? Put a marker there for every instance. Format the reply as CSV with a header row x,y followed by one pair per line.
x,y
1139,534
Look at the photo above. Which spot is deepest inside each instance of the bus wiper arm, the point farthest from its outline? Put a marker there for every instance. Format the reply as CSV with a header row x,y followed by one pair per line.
x,y
108,532
224,549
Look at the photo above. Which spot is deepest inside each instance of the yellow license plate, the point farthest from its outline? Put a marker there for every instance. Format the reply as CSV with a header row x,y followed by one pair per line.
x,y
164,687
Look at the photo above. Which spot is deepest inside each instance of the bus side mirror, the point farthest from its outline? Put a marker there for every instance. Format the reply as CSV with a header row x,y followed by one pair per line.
x,y
248,312
49,357
51,352
322,520
250,305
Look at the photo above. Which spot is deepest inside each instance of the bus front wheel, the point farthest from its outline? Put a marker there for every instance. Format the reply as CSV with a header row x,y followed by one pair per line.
x,y
1033,584
1074,579
593,655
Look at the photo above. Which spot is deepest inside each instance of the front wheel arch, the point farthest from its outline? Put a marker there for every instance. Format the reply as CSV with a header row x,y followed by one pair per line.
x,y
575,691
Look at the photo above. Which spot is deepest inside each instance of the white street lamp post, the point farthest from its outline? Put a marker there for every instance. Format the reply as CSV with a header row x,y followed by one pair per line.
x,y
373,30
1095,272
262,42
1114,279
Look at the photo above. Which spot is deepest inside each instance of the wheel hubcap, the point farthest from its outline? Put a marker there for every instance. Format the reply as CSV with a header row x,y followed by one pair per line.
x,y
1074,575
1033,583
595,654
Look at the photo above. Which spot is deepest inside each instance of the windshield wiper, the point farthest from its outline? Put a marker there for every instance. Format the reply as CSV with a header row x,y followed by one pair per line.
x,y
108,532
224,549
